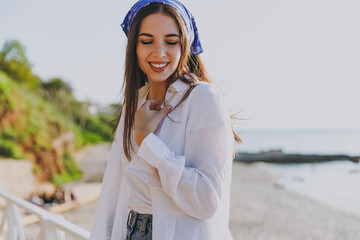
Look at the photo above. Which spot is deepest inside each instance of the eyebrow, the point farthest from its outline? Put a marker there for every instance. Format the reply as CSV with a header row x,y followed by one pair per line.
x,y
167,35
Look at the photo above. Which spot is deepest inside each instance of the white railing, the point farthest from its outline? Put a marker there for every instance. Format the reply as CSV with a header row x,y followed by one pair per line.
x,y
54,227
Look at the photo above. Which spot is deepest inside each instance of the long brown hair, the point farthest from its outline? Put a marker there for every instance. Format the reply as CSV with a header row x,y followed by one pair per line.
x,y
135,78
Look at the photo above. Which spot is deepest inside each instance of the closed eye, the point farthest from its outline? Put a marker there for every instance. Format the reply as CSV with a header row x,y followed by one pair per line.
x,y
172,43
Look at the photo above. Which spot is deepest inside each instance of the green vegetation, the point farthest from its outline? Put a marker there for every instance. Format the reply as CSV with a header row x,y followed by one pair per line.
x,y
10,149
16,65
34,113
71,173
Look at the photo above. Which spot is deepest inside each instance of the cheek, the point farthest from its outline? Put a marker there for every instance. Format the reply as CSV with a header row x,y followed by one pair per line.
x,y
176,55
141,57
139,52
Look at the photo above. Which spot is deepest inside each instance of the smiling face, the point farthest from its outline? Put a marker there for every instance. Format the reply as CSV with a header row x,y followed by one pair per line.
x,y
158,47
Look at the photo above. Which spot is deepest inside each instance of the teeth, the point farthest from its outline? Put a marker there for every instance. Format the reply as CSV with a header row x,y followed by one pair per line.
x,y
158,65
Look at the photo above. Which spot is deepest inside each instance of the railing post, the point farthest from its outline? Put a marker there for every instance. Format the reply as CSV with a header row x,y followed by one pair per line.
x,y
15,229
16,214
2,224
60,235
48,231
11,225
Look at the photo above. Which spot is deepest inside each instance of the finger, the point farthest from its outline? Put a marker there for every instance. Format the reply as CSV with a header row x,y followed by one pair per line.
x,y
151,102
156,107
165,110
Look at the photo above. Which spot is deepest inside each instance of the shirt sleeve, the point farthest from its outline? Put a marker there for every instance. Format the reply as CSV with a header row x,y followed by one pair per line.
x,y
195,181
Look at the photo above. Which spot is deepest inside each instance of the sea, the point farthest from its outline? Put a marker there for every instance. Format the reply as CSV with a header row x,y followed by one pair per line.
x,y
335,183
301,141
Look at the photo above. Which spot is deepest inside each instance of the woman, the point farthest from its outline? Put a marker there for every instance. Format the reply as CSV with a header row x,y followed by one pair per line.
x,y
169,171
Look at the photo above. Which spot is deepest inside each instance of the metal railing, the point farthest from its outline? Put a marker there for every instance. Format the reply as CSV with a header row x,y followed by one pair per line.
x,y
54,227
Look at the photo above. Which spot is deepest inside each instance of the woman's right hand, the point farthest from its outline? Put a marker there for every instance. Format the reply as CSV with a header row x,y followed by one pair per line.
x,y
148,117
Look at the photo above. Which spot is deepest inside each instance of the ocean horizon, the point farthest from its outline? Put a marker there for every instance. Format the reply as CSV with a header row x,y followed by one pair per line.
x,y
310,141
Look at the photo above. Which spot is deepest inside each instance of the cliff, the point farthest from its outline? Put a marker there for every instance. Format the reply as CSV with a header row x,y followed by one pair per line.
x,y
42,121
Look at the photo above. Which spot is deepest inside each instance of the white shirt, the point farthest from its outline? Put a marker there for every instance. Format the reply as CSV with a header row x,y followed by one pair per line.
x,y
187,166
140,192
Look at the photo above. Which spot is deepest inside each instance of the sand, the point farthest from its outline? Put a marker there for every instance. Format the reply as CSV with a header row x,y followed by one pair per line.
x,y
260,209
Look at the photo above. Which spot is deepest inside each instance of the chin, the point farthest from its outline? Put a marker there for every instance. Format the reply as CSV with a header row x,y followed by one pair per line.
x,y
158,79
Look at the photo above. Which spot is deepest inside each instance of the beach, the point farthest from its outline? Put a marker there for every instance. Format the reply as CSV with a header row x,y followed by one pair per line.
x,y
260,208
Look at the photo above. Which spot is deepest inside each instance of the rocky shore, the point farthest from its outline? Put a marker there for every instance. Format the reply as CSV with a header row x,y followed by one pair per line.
x,y
277,156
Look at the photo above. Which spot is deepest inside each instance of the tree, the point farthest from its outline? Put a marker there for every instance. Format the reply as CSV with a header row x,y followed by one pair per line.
x,y
55,86
14,63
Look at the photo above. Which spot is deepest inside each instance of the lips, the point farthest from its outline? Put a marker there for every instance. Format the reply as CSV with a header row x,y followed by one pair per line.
x,y
158,66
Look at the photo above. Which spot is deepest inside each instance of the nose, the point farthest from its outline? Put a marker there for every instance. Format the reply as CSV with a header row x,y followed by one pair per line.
x,y
159,50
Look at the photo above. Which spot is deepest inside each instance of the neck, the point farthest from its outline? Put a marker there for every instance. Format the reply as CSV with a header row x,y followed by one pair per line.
x,y
157,91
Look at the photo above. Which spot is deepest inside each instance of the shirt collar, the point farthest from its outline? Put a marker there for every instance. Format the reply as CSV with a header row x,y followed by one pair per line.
x,y
178,87
143,92
181,87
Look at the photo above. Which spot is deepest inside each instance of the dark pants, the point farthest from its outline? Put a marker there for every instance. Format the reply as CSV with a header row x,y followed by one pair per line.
x,y
139,226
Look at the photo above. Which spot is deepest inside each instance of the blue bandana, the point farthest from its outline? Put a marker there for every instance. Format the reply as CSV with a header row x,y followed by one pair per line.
x,y
180,8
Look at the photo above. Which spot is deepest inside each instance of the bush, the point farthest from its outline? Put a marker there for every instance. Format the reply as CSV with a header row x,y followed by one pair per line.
x,y
6,101
90,137
10,149
72,172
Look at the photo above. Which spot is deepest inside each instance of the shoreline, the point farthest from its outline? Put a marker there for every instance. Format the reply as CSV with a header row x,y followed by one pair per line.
x,y
316,182
263,209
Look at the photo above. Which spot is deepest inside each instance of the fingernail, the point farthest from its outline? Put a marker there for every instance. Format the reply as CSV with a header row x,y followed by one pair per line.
x,y
168,107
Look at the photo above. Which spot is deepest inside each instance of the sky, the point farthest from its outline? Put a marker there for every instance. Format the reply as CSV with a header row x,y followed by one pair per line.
x,y
281,64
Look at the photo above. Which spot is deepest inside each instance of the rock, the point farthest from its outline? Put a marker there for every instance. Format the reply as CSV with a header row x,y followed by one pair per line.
x,y
277,156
